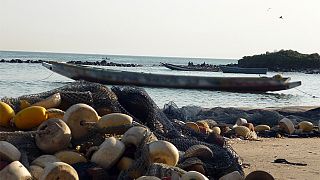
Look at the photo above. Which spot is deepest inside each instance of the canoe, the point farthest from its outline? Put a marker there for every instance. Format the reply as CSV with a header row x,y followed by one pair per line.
x,y
232,69
189,68
118,77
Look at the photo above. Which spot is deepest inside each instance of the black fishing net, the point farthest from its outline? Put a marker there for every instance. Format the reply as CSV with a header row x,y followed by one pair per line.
x,y
136,102
96,95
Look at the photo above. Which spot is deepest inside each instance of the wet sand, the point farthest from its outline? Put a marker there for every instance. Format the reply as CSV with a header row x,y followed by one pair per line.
x,y
261,154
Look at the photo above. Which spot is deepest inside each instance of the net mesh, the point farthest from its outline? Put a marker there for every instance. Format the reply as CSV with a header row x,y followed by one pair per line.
x,y
135,102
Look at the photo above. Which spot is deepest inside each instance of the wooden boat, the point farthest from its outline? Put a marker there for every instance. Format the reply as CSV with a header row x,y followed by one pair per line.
x,y
232,69
190,68
117,77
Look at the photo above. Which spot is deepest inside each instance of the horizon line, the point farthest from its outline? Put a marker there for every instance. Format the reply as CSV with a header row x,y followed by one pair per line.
x,y
100,54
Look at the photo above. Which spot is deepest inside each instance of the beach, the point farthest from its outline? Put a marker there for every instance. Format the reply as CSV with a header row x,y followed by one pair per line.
x,y
259,155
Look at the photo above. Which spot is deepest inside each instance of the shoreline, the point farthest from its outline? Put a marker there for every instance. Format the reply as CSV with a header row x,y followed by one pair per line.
x,y
259,155
107,62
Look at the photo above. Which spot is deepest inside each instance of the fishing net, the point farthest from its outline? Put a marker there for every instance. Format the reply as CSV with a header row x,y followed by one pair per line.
x,y
185,113
135,102
96,95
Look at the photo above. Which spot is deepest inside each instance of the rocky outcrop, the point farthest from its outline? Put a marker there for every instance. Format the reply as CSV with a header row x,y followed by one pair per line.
x,y
284,60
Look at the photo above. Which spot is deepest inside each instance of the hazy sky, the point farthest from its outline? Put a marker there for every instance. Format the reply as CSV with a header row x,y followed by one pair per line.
x,y
187,28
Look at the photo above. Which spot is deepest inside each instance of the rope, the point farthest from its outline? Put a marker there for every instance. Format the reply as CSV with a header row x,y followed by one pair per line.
x,y
21,133
313,96
15,134
46,77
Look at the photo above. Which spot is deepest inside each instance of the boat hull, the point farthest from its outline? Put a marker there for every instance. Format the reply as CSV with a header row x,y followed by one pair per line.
x,y
116,77
227,69
190,68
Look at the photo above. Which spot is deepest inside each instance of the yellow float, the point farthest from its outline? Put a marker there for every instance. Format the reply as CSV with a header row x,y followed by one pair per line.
x,y
6,114
114,119
306,126
30,117
70,157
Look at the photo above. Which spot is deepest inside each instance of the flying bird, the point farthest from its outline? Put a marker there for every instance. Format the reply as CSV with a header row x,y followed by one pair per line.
x,y
281,17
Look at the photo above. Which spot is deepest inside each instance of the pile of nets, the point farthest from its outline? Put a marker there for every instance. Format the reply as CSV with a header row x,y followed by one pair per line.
x,y
135,102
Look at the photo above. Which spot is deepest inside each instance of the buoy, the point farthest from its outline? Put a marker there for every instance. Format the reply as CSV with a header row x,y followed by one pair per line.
x,y
197,167
193,126
203,126
15,171
44,160
148,178
241,121
114,119
70,157
75,115
59,170
9,152
52,101
235,175
210,122
134,136
163,152
36,171
109,153
261,175
306,126
242,131
199,150
216,130
24,104
249,125
260,128
193,175
286,125
124,163
6,114
30,117
193,164
55,113
57,138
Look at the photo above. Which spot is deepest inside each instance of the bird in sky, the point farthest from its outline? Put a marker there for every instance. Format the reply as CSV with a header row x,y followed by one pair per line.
x,y
281,17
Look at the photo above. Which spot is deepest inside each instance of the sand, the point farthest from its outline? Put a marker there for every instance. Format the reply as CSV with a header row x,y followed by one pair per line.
x,y
261,154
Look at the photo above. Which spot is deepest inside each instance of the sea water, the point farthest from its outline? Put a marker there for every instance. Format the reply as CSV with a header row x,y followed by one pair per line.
x,y
21,79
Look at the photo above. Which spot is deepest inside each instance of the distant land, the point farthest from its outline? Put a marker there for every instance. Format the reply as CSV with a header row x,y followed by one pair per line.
x,y
283,60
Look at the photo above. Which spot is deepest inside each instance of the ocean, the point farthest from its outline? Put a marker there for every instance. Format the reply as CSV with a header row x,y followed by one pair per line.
x,y
22,79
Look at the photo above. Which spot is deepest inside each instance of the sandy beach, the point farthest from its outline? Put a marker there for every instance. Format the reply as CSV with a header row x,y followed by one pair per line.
x,y
259,155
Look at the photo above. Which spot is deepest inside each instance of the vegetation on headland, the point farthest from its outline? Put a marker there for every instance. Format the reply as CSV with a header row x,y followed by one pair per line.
x,y
283,60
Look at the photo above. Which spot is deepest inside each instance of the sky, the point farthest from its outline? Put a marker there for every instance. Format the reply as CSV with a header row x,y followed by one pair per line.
x,y
178,28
